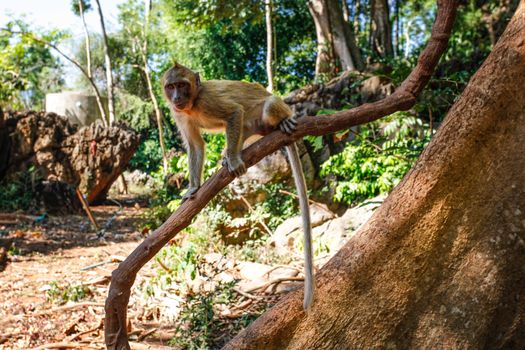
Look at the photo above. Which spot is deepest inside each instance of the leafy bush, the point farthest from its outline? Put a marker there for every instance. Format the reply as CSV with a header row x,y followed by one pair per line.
x,y
71,292
17,193
199,326
378,158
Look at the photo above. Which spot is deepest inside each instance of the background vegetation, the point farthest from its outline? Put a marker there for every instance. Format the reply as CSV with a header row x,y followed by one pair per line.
x,y
226,39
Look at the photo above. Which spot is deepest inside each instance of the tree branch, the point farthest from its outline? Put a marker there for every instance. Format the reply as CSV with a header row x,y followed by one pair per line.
x,y
72,61
402,99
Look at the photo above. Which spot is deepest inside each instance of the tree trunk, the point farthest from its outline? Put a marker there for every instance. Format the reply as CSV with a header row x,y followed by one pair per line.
x,y
325,61
381,30
269,43
335,38
346,12
158,114
98,98
86,38
440,264
398,27
109,75
357,13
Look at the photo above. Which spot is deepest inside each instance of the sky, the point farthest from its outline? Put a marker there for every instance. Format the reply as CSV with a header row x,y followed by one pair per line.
x,y
50,14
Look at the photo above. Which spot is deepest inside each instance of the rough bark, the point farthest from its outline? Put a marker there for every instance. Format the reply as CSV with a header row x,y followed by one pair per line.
x,y
90,158
123,277
335,38
381,29
440,263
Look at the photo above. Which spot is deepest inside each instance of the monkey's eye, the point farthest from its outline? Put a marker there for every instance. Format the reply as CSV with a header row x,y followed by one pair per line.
x,y
170,86
180,85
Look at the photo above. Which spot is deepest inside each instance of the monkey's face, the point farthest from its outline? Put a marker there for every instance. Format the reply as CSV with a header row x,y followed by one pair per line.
x,y
181,87
179,94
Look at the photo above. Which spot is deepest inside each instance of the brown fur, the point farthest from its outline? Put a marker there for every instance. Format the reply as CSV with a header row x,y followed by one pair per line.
x,y
242,110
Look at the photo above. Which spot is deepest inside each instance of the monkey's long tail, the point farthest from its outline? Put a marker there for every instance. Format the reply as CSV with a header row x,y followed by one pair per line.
x,y
300,184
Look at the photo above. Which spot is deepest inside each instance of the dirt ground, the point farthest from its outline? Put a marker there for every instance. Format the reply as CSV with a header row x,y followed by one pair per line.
x,y
47,256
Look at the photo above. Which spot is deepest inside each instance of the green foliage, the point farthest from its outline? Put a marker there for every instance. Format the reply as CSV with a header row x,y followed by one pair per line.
x,y
75,8
17,192
27,69
148,156
217,38
377,159
200,327
58,294
183,261
135,111
13,250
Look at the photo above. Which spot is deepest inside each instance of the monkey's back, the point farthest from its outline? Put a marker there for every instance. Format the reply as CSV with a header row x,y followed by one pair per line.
x,y
244,93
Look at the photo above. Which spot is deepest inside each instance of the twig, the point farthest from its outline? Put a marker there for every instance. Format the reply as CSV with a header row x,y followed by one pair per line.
x,y
144,335
164,267
85,205
91,330
378,149
267,273
243,305
247,295
250,208
321,205
65,307
64,345
275,281
99,280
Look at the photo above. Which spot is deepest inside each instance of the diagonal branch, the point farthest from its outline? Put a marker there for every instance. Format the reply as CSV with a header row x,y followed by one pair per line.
x,y
402,99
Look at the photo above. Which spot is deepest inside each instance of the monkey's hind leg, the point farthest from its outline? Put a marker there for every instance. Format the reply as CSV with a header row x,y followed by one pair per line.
x,y
277,113
288,125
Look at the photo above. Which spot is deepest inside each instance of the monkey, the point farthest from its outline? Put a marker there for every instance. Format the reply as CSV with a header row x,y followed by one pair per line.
x,y
241,110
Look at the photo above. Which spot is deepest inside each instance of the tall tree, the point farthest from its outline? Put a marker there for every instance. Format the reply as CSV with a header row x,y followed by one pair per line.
x,y
381,28
107,58
336,43
80,7
269,43
158,114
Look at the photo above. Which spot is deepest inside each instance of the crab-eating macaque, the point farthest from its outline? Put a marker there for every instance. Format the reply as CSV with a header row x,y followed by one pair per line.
x,y
242,110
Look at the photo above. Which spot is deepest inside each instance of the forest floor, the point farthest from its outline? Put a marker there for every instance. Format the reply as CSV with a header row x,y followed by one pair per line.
x,y
55,276
55,273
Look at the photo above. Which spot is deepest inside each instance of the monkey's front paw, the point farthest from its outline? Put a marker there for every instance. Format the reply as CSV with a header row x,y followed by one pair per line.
x,y
190,193
288,125
236,167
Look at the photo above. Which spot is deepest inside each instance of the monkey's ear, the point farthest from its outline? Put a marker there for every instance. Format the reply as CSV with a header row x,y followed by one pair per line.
x,y
197,79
